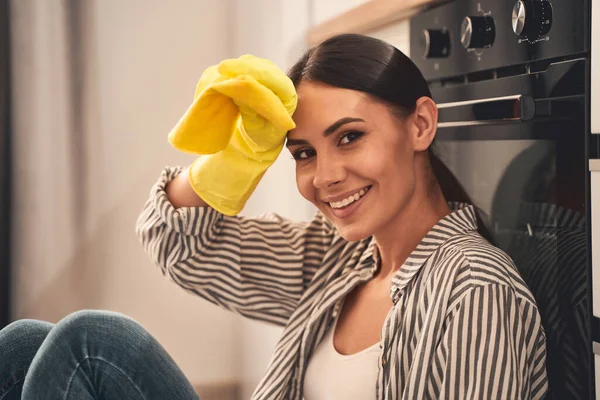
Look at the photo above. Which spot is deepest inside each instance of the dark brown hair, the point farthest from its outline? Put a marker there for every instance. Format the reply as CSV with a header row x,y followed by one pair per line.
x,y
372,66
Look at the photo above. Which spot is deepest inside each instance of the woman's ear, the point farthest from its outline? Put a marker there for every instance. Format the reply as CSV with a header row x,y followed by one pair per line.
x,y
424,120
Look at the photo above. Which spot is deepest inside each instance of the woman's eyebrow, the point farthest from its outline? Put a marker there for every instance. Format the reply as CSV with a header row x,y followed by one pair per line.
x,y
332,128
295,142
340,122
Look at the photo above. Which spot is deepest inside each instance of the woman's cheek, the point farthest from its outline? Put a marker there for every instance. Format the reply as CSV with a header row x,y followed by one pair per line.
x,y
304,184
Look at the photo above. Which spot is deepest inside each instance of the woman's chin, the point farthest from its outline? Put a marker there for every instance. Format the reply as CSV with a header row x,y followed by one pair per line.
x,y
353,233
350,231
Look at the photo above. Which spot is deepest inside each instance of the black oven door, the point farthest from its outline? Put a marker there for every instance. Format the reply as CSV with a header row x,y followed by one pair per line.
x,y
517,145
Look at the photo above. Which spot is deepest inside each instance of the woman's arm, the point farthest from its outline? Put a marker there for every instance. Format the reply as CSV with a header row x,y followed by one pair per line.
x,y
180,192
257,267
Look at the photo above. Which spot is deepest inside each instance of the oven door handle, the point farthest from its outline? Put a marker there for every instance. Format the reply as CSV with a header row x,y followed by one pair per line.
x,y
499,109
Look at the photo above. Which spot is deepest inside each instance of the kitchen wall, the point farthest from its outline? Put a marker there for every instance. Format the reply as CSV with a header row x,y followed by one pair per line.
x,y
396,34
323,10
90,140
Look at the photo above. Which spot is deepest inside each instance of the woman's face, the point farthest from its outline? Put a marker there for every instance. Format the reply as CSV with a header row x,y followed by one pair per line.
x,y
354,158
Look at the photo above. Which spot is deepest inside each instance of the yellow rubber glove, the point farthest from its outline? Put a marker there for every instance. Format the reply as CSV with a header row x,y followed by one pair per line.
x,y
239,118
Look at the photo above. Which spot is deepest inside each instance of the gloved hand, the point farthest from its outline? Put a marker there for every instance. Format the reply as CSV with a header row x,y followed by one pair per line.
x,y
239,118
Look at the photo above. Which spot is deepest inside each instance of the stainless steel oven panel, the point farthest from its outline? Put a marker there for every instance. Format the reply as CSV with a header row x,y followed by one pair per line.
x,y
513,108
558,91
514,139
449,58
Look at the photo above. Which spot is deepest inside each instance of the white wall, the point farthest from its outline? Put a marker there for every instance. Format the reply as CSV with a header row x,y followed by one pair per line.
x,y
323,10
142,61
397,34
150,55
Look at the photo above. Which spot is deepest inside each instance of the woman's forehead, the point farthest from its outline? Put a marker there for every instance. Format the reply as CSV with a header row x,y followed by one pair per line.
x,y
319,105
311,94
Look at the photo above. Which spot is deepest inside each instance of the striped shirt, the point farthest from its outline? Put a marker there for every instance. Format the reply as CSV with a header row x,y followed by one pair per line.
x,y
463,323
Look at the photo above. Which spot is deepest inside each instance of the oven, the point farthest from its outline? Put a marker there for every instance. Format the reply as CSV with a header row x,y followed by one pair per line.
x,y
512,84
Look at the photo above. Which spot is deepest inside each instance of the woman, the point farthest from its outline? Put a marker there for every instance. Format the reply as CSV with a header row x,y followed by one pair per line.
x,y
387,293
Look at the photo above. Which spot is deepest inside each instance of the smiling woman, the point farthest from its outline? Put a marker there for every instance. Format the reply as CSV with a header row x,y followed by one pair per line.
x,y
388,293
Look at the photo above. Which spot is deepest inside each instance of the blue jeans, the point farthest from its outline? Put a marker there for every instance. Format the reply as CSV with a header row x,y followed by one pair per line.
x,y
88,355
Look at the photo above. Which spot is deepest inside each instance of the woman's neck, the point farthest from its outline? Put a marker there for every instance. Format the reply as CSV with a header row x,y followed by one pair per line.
x,y
405,232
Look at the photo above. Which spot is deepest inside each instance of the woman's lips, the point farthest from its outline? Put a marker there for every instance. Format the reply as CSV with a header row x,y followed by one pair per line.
x,y
348,210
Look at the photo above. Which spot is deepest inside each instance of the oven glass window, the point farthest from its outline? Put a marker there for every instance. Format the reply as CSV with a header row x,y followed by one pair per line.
x,y
531,201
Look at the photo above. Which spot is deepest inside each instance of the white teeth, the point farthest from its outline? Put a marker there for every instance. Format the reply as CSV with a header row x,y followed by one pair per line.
x,y
349,199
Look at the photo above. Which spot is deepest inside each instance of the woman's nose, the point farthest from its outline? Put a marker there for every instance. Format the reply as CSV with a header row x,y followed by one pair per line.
x,y
329,172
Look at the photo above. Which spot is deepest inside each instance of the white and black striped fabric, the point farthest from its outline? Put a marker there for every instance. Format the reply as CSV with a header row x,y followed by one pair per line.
x,y
463,326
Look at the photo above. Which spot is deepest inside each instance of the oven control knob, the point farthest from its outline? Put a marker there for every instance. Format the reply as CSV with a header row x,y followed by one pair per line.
x,y
436,43
477,32
532,19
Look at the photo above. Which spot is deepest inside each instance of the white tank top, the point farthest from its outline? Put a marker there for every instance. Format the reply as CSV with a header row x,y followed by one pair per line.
x,y
333,376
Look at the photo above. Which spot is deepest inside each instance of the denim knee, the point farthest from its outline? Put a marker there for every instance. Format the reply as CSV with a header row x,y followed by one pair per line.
x,y
101,354
24,331
19,343
21,340
100,331
87,318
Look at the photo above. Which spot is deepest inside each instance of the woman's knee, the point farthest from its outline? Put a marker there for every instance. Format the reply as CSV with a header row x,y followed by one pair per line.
x,y
105,329
99,320
87,318
19,344
23,335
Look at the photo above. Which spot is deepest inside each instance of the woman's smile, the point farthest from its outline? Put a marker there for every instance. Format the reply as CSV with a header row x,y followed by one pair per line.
x,y
344,206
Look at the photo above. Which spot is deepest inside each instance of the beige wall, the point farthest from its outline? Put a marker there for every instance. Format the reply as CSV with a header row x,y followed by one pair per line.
x,y
85,164
323,10
397,34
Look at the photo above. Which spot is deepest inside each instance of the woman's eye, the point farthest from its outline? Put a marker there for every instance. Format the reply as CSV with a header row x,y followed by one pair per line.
x,y
350,137
303,154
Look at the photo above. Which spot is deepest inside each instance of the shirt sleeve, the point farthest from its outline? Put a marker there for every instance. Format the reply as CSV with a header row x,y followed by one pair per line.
x,y
494,348
256,267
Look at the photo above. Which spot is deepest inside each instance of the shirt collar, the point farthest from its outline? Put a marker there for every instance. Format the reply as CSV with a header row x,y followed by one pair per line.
x,y
460,221
369,258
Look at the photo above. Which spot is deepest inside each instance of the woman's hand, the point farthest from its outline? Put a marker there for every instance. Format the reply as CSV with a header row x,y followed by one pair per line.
x,y
237,123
